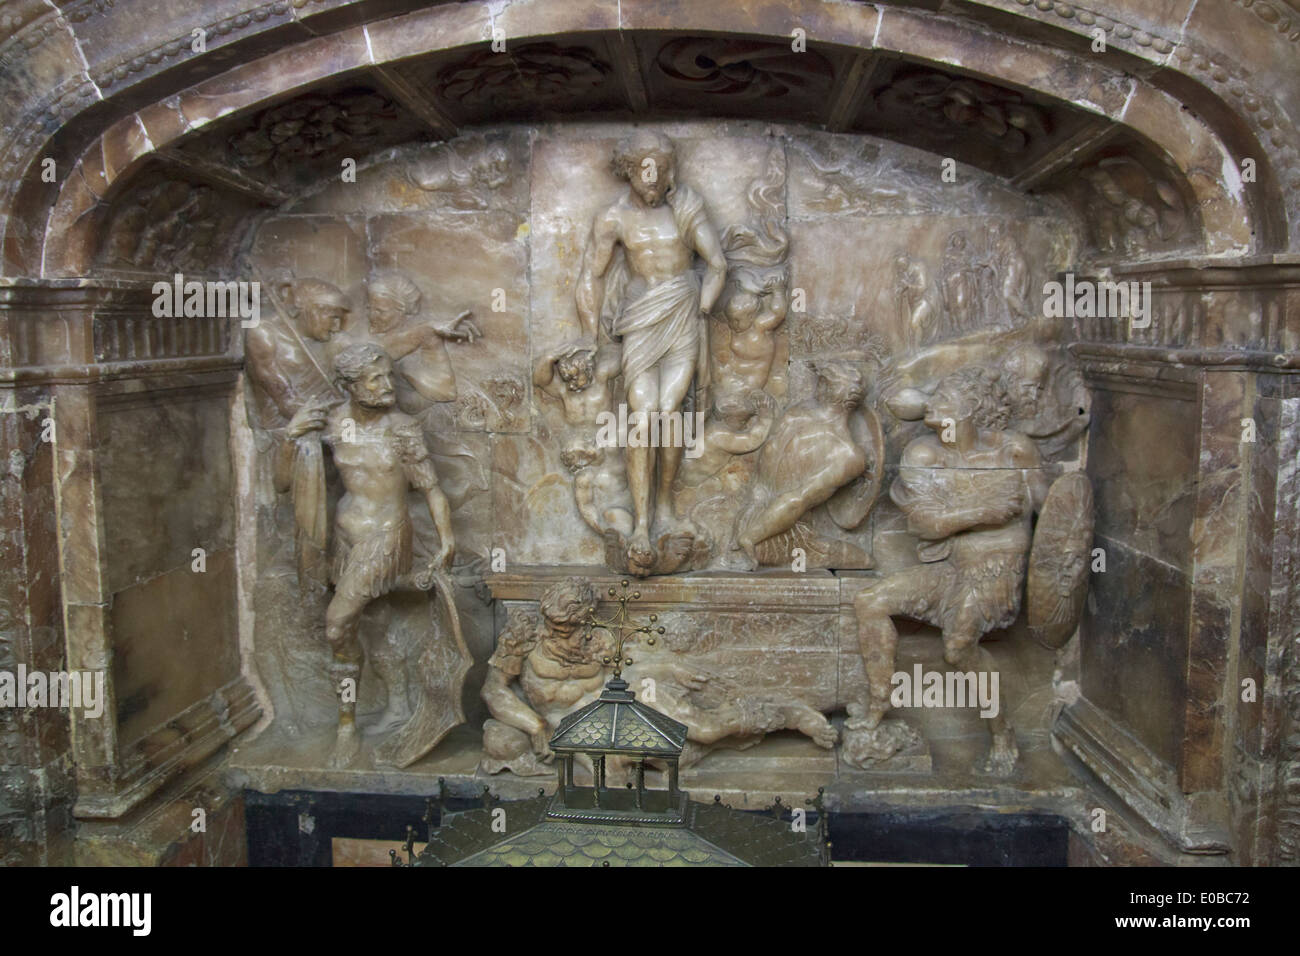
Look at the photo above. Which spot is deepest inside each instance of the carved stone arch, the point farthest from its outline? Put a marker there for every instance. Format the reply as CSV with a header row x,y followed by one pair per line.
x,y
1131,97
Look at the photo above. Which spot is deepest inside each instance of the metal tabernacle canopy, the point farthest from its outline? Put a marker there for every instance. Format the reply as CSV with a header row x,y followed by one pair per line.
x,y
617,725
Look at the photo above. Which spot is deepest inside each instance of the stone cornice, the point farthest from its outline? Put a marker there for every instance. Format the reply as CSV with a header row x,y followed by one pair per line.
x,y
1208,272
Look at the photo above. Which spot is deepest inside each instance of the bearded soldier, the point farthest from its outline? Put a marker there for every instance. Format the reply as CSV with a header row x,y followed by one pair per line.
x,y
380,454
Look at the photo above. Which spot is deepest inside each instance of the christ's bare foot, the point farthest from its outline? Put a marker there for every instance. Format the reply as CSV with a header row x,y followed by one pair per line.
x,y
640,553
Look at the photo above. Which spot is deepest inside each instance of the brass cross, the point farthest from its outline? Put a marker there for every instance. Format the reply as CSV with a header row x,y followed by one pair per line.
x,y
621,627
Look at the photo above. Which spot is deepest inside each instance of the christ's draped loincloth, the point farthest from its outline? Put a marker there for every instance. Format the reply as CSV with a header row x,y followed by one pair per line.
x,y
663,323
373,565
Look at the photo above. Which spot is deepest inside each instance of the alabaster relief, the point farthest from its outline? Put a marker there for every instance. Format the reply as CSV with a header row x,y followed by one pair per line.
x,y
745,69
555,75
830,371
712,383
379,453
1128,208
463,174
167,222
309,127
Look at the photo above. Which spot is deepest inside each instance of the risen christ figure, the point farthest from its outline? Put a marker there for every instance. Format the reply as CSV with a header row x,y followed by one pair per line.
x,y
656,301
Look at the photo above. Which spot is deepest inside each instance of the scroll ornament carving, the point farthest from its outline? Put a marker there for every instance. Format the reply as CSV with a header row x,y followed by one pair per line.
x,y
749,69
960,106
312,126
544,72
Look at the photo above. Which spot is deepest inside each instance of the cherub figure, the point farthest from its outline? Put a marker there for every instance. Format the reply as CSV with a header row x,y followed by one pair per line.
x,y
599,487
580,378
754,310
740,423
756,297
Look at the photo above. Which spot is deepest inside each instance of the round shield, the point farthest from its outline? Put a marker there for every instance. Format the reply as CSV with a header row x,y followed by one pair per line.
x,y
850,505
1057,582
